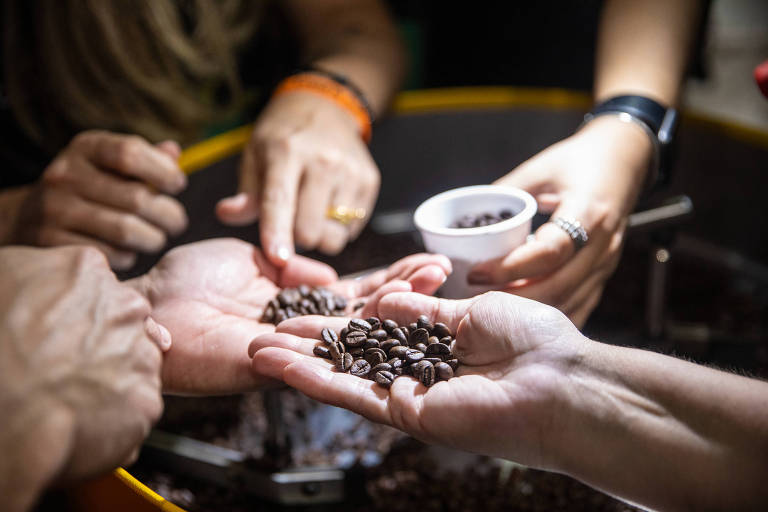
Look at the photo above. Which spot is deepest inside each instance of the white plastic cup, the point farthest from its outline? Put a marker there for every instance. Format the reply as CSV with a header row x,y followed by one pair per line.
x,y
466,247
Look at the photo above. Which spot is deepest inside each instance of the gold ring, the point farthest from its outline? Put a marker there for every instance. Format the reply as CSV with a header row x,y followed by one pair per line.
x,y
345,214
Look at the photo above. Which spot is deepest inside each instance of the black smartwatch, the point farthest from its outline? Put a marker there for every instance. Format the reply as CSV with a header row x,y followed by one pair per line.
x,y
658,121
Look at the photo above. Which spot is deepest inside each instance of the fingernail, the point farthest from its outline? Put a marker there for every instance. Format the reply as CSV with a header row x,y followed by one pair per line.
x,y
477,277
283,253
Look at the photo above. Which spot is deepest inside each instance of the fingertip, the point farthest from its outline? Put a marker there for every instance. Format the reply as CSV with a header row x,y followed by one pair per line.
x,y
237,210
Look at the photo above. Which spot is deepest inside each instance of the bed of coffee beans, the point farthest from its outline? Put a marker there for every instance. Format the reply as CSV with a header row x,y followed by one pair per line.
x,y
382,351
304,300
481,219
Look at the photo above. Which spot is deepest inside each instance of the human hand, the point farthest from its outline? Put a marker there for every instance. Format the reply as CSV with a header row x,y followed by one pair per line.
x,y
515,354
79,368
305,156
100,191
211,296
594,177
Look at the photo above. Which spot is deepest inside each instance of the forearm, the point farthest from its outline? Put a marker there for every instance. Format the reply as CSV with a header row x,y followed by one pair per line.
x,y
355,38
11,201
643,48
664,432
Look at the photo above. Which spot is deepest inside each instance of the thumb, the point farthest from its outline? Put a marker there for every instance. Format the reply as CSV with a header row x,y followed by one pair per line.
x,y
405,308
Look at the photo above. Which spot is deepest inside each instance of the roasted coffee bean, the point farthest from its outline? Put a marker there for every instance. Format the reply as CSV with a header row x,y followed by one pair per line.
x,y
441,330
375,356
321,351
269,315
355,339
417,369
381,367
341,303
280,316
329,336
434,360
432,340
315,296
443,371
387,345
453,363
359,305
399,351
290,313
329,304
423,323
438,349
389,325
413,355
384,379
446,340
379,334
375,322
413,326
358,324
406,331
343,333
344,363
428,375
356,352
419,336
361,367
304,290
420,346
285,297
397,365
400,336
371,343
336,350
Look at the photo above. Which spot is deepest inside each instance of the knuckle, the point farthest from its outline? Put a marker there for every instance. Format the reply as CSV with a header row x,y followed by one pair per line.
x,y
129,152
57,172
89,258
137,197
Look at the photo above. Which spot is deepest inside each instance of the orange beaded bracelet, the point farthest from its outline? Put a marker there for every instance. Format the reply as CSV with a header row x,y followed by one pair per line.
x,y
332,90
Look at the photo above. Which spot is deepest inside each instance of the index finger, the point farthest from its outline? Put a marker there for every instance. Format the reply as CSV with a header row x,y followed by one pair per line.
x,y
277,210
132,156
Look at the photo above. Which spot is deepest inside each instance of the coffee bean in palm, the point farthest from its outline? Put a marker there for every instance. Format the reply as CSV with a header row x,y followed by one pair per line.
x,y
413,355
344,362
424,323
438,350
453,363
371,343
379,334
384,379
417,369
358,324
428,375
397,365
381,367
336,350
434,360
400,336
321,351
375,356
419,336
441,330
280,316
329,336
389,325
420,346
374,321
399,351
443,371
446,340
387,345
413,326
432,340
355,338
357,352
361,367
304,290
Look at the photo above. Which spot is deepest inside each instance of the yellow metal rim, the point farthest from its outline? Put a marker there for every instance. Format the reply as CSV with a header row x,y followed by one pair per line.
x,y
148,494
205,153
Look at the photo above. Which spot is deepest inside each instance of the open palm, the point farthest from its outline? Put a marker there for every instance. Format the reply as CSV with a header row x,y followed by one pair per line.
x,y
500,401
211,295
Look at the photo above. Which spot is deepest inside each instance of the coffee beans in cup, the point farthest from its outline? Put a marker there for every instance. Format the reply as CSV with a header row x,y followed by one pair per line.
x,y
481,219
382,351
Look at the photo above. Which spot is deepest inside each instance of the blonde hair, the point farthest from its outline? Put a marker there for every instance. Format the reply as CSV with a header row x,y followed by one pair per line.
x,y
158,68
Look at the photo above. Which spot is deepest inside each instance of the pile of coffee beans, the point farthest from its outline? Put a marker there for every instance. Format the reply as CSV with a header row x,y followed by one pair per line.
x,y
304,300
382,351
481,219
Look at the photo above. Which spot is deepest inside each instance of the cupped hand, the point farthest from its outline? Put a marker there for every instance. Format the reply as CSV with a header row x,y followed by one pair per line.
x,y
593,177
503,401
305,155
109,191
211,296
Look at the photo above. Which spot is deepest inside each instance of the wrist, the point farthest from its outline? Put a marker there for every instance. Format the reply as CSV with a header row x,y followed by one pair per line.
x,y
35,449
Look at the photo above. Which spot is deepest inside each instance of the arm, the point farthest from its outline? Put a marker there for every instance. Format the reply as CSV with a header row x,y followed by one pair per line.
x,y
596,175
666,433
306,154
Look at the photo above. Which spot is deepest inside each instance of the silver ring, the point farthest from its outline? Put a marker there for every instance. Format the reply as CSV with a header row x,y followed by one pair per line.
x,y
574,229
